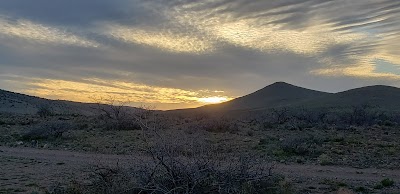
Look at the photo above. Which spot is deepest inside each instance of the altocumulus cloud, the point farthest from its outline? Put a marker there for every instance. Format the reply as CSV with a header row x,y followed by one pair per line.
x,y
31,31
170,52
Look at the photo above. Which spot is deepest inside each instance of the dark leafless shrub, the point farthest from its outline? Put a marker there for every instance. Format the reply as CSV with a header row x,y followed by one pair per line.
x,y
310,116
220,125
115,115
195,175
361,115
306,145
205,175
48,130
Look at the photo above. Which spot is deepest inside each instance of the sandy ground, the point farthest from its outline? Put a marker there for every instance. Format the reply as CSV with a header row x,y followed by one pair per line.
x,y
23,170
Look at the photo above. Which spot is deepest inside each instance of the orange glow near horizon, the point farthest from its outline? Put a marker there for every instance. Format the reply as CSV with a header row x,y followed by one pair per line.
x,y
134,94
213,100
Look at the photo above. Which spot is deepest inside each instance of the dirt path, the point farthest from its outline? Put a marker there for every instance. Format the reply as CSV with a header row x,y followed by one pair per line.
x,y
35,168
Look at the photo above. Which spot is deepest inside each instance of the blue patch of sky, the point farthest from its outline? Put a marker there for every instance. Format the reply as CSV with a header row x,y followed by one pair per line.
x,y
382,66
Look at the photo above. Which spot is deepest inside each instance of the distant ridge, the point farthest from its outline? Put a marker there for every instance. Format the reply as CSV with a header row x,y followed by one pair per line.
x,y
379,96
281,94
278,94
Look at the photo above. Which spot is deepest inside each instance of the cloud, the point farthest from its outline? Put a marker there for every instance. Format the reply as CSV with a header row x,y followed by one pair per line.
x,y
302,27
25,29
89,89
235,46
259,33
162,39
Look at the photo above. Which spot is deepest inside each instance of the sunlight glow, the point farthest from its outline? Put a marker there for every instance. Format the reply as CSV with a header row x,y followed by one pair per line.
x,y
213,100
85,91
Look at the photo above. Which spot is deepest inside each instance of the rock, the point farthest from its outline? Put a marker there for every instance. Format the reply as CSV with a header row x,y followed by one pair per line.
x,y
45,146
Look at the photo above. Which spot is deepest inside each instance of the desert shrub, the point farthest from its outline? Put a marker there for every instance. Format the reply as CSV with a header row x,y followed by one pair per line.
x,y
119,124
180,175
108,180
302,145
361,190
114,114
44,111
168,170
112,118
310,116
387,182
48,130
324,159
267,125
384,183
294,124
218,125
389,123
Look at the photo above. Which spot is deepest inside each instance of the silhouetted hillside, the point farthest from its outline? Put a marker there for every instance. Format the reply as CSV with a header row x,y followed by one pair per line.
x,y
11,102
279,94
384,97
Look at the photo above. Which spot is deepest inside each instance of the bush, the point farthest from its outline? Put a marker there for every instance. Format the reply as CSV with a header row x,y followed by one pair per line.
x,y
117,118
302,145
387,182
119,124
219,125
48,130
384,183
173,175
324,160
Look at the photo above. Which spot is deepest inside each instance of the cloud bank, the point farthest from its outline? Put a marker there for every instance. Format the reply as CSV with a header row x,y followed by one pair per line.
x,y
190,46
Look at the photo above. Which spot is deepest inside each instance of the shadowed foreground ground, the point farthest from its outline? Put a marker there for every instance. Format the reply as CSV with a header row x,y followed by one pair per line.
x,y
24,170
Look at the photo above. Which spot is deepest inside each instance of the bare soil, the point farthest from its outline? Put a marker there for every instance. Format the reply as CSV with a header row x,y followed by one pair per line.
x,y
24,170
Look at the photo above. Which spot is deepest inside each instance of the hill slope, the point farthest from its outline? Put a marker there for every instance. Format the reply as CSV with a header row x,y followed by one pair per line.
x,y
384,97
11,102
276,95
279,94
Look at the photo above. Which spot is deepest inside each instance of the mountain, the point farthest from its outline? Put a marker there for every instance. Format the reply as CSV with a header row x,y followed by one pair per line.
x,y
276,95
379,96
279,94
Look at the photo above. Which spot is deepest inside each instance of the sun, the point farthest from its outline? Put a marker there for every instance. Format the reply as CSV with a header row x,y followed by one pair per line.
x,y
213,100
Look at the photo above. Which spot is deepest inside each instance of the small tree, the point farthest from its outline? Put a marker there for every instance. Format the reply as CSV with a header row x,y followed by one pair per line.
x,y
115,114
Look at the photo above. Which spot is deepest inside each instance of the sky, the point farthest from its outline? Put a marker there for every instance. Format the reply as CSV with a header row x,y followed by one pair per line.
x,y
172,54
